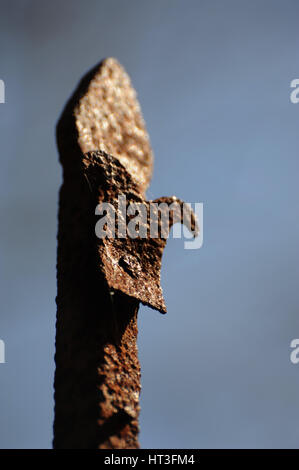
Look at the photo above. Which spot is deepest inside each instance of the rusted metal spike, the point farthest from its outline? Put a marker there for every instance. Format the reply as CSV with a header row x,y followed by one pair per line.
x,y
104,150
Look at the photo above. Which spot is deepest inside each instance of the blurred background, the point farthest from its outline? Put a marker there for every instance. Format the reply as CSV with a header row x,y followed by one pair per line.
x,y
213,79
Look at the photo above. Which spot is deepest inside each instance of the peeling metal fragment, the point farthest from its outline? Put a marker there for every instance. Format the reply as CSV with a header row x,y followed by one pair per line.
x,y
132,265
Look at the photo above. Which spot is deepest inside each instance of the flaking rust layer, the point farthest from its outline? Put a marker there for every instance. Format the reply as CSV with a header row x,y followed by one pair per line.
x,y
104,150
132,265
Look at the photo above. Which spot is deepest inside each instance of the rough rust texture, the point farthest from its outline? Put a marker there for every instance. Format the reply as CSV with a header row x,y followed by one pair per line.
x,y
100,282
97,378
109,118
131,265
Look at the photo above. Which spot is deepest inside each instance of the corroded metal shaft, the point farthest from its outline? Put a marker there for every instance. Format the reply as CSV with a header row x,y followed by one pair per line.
x,y
105,152
97,378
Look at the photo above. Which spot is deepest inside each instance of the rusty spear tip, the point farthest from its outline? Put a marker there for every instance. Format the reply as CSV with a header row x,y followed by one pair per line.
x,y
108,119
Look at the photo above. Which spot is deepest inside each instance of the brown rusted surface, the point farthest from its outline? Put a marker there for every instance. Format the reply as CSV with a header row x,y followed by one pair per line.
x,y
131,265
108,118
104,150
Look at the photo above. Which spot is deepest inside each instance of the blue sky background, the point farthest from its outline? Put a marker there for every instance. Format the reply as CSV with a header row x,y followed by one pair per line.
x,y
213,78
